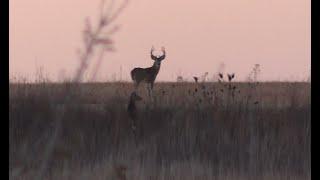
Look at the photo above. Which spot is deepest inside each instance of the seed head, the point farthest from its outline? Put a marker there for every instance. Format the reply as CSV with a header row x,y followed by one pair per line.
x,y
230,77
195,79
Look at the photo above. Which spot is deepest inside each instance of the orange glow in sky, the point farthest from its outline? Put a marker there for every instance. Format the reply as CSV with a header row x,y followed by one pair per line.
x,y
198,36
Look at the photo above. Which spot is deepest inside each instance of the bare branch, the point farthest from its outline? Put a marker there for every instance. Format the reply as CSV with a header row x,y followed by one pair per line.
x,y
113,30
90,41
101,9
97,65
105,41
119,10
109,9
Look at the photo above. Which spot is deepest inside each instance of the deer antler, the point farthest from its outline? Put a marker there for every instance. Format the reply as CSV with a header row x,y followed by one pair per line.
x,y
164,54
152,56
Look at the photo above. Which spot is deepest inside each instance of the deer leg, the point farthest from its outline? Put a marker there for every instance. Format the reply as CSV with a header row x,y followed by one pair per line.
x,y
133,125
134,130
149,90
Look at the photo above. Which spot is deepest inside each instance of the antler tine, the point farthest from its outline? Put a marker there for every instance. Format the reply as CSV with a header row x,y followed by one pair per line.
x,y
164,54
163,50
152,56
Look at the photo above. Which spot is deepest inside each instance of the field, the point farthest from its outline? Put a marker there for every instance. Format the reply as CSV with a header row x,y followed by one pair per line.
x,y
190,131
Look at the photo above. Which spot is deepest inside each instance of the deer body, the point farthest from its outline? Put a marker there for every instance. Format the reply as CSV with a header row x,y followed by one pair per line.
x,y
148,75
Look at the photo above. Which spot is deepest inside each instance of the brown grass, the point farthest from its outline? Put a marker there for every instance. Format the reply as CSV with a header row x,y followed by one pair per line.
x,y
192,131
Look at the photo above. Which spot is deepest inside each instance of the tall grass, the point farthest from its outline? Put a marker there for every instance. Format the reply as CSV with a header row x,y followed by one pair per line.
x,y
190,131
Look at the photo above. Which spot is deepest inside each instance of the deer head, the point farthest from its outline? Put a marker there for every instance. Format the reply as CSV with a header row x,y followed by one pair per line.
x,y
158,59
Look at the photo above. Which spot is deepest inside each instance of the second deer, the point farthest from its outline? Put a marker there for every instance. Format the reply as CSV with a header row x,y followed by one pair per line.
x,y
132,110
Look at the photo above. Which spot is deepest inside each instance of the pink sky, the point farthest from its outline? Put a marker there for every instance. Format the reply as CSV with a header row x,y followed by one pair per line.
x,y
198,36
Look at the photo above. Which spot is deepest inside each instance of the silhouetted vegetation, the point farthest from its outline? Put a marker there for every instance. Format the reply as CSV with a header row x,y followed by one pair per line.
x,y
190,131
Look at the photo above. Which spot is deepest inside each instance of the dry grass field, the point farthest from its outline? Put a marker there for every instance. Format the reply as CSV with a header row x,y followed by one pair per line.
x,y
190,131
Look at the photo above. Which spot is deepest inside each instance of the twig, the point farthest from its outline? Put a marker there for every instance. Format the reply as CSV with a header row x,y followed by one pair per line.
x,y
96,67
84,58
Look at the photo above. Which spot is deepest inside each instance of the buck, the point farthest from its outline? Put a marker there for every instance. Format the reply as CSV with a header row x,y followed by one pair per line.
x,y
148,75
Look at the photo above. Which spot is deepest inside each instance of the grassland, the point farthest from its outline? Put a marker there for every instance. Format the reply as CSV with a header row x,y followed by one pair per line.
x,y
190,131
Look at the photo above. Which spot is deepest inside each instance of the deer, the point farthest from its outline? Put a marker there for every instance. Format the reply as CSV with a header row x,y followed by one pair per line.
x,y
148,75
132,111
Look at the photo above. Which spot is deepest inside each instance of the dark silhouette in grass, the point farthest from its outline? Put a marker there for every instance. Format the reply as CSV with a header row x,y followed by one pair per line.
x,y
132,111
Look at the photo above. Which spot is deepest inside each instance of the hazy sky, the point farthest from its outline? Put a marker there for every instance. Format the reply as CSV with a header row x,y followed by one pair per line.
x,y
198,36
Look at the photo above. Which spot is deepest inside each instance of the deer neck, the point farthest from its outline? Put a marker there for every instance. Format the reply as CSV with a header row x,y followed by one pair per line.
x,y
156,66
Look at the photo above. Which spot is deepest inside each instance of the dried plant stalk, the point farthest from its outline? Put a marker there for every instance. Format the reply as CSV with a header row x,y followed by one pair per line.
x,y
92,39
